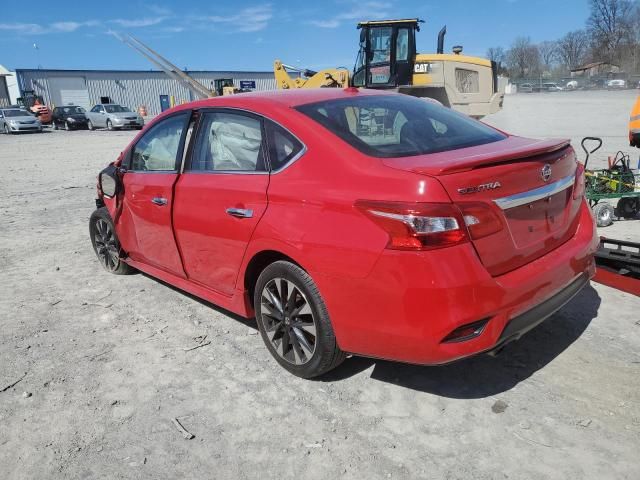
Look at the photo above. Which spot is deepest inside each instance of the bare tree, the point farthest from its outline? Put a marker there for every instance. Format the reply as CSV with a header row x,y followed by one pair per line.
x,y
496,54
610,27
523,58
548,53
572,48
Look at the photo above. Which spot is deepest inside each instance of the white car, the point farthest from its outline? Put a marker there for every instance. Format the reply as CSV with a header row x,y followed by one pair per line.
x,y
14,120
616,84
113,116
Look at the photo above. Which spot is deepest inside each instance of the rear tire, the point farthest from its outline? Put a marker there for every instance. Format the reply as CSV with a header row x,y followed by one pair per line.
x,y
604,213
106,244
293,321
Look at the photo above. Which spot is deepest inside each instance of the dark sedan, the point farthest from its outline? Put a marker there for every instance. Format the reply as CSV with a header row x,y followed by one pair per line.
x,y
70,118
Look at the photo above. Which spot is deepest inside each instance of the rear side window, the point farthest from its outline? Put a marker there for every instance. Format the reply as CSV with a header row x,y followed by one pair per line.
x,y
228,142
283,146
399,125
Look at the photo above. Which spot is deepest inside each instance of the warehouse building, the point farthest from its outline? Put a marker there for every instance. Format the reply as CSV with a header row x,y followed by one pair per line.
x,y
5,101
154,90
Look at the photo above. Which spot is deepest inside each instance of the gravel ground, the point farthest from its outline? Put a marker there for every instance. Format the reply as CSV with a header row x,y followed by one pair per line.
x,y
102,371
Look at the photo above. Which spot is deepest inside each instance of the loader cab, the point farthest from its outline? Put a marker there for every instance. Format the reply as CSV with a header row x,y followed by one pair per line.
x,y
387,53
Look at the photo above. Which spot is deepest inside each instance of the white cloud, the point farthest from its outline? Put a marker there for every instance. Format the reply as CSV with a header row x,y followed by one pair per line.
x,y
359,11
249,19
37,29
138,22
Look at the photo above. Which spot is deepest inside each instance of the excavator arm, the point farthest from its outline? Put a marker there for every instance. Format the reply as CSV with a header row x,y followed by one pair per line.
x,y
330,77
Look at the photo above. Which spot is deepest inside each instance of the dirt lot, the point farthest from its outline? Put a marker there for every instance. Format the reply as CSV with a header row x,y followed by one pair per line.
x,y
103,370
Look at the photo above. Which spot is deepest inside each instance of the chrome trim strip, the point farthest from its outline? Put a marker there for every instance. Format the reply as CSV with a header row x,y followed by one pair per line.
x,y
536,194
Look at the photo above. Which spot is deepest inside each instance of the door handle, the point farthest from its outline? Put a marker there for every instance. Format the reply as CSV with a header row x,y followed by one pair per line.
x,y
240,212
159,201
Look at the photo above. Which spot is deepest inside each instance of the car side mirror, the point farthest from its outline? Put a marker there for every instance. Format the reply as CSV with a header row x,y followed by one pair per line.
x,y
110,181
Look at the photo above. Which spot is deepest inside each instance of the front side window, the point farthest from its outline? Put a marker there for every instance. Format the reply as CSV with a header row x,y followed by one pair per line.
x,y
158,149
398,125
97,109
228,142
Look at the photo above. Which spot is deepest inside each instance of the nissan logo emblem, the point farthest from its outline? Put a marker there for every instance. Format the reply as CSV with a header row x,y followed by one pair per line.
x,y
545,173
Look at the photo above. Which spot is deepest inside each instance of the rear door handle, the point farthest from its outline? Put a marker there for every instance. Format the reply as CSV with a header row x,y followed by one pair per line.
x,y
240,212
159,201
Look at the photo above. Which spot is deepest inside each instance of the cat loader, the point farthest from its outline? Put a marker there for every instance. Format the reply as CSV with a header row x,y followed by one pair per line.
x,y
387,59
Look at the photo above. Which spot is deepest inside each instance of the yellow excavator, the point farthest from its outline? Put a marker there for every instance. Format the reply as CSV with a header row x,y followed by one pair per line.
x,y
387,59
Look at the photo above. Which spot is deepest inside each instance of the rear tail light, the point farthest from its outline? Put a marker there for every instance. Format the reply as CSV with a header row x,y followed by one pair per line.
x,y
481,219
417,226
578,186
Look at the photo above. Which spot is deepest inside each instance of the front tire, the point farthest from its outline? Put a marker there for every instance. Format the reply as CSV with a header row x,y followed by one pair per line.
x,y
293,321
67,127
106,244
90,125
109,125
55,125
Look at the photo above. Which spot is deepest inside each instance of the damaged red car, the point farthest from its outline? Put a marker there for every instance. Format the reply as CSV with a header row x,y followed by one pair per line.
x,y
351,222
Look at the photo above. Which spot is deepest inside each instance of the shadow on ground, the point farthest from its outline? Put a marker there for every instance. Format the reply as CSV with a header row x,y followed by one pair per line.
x,y
476,377
483,375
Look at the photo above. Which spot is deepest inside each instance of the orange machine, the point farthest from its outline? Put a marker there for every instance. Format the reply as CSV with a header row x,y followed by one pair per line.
x,y
634,125
35,104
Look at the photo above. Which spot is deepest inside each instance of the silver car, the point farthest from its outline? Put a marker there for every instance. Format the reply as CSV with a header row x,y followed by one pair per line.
x,y
113,116
14,120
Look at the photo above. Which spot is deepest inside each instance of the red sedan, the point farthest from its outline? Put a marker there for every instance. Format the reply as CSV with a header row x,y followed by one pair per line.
x,y
351,221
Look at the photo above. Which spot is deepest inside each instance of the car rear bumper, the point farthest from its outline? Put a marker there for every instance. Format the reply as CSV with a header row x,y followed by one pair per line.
x,y
410,302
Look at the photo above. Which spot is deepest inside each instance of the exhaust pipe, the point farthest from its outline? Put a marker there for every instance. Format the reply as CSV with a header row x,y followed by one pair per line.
x,y
441,35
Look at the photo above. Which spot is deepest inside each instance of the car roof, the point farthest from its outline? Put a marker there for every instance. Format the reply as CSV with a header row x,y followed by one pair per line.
x,y
287,98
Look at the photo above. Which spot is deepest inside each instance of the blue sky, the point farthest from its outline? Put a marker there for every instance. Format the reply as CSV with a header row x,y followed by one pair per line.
x,y
232,35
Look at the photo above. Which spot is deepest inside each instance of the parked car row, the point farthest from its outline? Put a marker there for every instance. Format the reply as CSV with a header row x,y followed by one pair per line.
x,y
71,117
596,84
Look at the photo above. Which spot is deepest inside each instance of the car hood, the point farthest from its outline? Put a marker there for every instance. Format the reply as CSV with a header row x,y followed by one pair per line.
x,y
77,116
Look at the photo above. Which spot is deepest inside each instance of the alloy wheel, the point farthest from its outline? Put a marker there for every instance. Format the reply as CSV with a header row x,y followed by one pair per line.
x,y
288,321
106,245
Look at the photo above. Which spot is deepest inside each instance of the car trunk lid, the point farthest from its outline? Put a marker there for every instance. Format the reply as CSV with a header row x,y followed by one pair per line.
x,y
527,184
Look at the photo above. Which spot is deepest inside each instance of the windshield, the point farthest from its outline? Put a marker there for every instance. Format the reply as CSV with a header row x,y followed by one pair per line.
x,y
15,113
116,109
399,125
72,110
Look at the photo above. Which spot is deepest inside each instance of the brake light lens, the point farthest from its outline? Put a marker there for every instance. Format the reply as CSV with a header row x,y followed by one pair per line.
x,y
481,219
578,186
417,226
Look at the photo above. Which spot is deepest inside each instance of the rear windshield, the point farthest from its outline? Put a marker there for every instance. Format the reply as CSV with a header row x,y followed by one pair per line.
x,y
399,125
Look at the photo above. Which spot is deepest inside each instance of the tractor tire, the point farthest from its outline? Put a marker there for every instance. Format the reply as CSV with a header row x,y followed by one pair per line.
x,y
628,207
